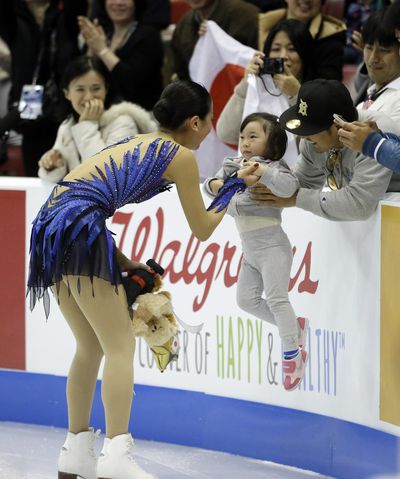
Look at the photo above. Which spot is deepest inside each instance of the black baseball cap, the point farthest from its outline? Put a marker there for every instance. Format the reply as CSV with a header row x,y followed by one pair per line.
x,y
317,101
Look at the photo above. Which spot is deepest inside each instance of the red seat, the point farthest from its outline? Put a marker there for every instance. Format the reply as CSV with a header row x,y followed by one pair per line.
x,y
178,9
334,8
14,166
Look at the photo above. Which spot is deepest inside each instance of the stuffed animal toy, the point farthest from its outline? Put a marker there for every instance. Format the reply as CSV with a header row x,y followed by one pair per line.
x,y
152,313
154,319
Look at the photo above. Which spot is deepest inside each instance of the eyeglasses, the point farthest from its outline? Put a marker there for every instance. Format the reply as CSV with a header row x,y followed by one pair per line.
x,y
334,161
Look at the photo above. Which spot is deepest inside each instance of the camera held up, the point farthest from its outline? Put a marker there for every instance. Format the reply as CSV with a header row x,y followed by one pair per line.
x,y
272,66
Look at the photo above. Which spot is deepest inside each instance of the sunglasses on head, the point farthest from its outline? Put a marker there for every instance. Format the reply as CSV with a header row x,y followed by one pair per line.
x,y
334,161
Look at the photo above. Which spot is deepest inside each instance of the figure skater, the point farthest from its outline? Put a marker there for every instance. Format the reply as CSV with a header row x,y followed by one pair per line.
x,y
73,253
267,253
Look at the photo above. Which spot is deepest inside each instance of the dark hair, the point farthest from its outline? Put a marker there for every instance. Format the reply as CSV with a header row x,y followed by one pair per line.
x,y
99,11
392,16
375,29
180,100
301,39
277,137
77,68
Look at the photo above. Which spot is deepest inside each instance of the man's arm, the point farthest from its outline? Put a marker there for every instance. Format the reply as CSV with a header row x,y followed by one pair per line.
x,y
310,175
385,148
355,201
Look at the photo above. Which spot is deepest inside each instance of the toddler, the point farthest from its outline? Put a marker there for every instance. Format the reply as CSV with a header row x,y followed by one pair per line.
x,y
267,253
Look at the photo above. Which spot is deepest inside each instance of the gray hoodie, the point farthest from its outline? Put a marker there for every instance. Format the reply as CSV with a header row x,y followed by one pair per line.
x,y
278,178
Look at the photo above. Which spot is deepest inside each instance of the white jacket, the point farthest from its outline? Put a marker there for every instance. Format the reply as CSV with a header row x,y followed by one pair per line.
x,y
79,141
387,102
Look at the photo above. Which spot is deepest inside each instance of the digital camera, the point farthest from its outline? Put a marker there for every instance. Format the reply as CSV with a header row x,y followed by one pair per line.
x,y
271,66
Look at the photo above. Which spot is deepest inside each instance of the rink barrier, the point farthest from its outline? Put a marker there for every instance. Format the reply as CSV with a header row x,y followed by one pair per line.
x,y
333,447
225,392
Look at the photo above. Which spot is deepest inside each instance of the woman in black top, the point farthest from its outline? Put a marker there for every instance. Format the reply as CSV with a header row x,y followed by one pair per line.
x,y
131,51
42,38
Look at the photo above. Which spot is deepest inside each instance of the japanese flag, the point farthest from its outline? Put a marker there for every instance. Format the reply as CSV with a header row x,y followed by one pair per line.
x,y
218,63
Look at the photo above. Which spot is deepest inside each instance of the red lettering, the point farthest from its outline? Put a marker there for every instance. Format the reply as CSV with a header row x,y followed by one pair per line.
x,y
175,247
229,252
142,233
307,284
188,258
198,266
206,275
122,219
160,230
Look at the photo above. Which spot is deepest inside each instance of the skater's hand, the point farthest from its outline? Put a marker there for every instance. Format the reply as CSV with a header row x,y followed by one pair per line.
x,y
262,194
130,265
249,175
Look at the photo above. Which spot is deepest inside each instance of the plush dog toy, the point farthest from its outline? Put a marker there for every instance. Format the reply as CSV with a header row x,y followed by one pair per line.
x,y
154,318
152,314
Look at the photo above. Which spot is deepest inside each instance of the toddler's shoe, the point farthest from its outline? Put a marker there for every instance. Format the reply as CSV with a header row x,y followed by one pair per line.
x,y
293,370
304,325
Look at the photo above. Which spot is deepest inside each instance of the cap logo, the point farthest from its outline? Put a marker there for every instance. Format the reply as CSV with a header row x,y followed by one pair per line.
x,y
303,108
293,124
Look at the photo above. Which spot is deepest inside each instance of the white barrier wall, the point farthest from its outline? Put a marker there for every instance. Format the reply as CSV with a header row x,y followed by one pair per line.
x,y
335,282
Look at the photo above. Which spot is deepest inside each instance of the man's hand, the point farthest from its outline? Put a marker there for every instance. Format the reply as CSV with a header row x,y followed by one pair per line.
x,y
354,134
262,194
357,41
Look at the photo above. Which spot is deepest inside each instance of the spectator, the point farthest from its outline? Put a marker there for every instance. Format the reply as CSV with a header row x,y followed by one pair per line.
x,y
131,50
290,40
88,128
380,89
365,137
156,13
382,61
357,14
328,32
236,17
42,39
335,182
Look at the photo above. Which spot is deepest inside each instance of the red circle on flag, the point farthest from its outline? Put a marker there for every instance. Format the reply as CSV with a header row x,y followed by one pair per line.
x,y
222,88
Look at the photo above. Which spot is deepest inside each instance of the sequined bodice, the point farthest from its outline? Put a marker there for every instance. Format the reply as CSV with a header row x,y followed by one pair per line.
x,y
89,201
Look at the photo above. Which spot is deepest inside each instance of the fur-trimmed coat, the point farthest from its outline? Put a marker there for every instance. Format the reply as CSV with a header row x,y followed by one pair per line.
x,y
78,141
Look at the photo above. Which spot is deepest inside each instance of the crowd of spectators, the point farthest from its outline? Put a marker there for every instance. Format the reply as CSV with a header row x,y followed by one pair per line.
x,y
39,38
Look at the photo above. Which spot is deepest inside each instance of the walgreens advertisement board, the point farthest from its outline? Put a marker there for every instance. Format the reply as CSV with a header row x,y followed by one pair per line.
x,y
335,282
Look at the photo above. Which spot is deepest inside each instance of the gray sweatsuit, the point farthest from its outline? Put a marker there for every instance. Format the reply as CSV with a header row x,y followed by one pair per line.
x,y
267,253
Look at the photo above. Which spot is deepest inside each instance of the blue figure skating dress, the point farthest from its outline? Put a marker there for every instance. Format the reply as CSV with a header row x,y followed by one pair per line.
x,y
69,235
